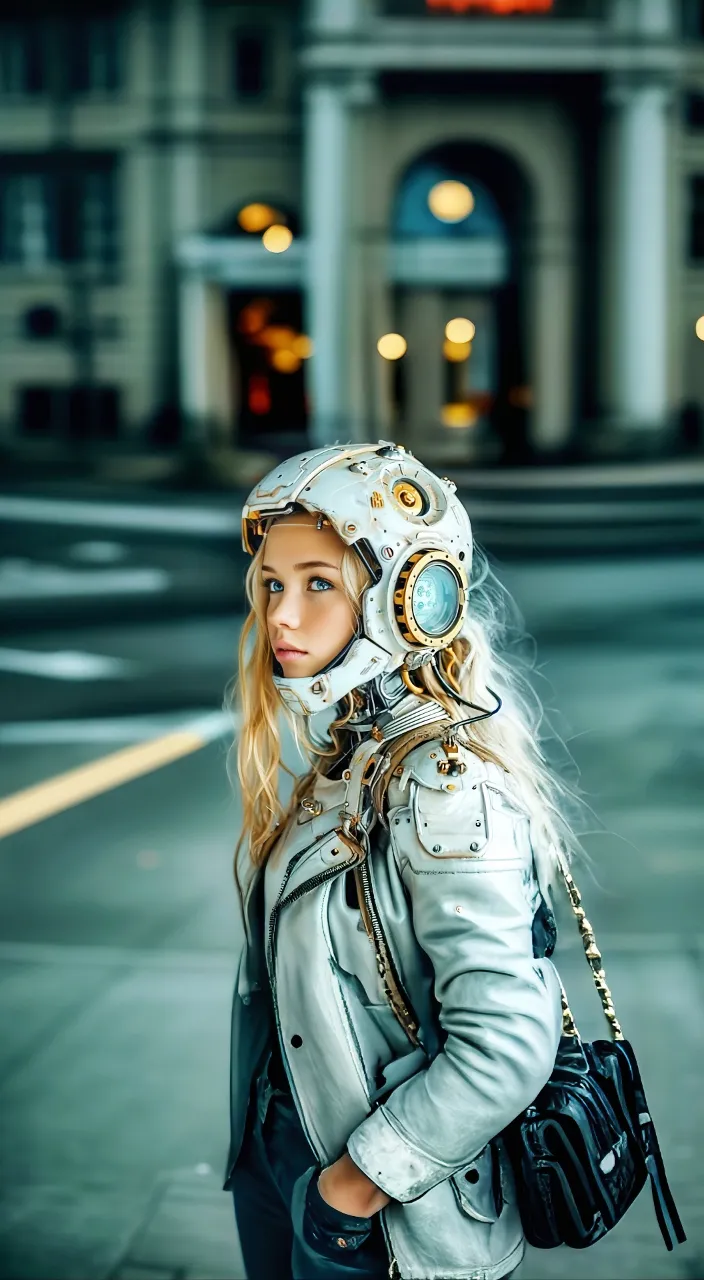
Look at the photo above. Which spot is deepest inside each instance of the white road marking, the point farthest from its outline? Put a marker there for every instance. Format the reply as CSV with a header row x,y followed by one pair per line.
x,y
64,664
22,579
98,552
209,724
199,521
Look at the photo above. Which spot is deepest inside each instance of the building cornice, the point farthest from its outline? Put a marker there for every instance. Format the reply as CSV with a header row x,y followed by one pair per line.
x,y
392,45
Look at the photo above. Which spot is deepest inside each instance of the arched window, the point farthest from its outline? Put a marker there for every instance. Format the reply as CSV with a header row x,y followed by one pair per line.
x,y
421,188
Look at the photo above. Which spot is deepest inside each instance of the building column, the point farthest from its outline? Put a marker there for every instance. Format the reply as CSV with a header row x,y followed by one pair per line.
x,y
187,88
639,334
193,356
327,136
551,337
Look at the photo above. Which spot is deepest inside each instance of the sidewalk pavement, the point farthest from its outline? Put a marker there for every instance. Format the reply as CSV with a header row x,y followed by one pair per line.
x,y
111,1086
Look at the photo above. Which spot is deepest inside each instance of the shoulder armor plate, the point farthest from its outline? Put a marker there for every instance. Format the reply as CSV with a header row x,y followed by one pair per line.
x,y
476,805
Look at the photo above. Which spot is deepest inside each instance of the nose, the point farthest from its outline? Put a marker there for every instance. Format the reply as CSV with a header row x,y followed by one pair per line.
x,y
285,609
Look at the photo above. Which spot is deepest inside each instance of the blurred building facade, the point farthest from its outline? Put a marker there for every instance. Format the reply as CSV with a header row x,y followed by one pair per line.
x,y
211,212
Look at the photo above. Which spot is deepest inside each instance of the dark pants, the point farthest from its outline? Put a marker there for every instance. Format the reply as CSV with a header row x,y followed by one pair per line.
x,y
269,1185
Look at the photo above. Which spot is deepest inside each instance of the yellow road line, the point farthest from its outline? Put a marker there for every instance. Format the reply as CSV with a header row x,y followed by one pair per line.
x,y
33,804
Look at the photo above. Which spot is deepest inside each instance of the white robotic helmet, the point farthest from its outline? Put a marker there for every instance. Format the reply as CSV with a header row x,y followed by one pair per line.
x,y
412,534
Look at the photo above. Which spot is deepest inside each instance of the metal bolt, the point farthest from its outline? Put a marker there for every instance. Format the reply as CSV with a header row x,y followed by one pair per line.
x,y
474,846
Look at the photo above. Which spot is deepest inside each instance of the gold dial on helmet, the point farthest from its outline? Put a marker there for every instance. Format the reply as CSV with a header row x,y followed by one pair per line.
x,y
430,598
410,498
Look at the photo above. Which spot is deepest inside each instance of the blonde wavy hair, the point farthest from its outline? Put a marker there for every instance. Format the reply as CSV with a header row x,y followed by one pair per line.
x,y
492,651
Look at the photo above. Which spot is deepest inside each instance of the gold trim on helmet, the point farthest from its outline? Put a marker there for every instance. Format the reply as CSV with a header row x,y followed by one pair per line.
x,y
403,598
410,497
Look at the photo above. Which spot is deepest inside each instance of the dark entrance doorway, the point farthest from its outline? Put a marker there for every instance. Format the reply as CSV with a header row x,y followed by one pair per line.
x,y
270,351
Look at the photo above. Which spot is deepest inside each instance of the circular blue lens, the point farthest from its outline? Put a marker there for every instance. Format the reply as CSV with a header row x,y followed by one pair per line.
x,y
435,599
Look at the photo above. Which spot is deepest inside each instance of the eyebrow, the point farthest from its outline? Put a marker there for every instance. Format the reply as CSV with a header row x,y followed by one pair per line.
x,y
307,564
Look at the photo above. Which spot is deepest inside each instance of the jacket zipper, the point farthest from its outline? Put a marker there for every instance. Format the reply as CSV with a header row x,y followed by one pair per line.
x,y
394,1269
388,973
281,902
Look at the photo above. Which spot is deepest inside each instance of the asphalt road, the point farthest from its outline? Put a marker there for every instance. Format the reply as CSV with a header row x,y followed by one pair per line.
x,y
118,942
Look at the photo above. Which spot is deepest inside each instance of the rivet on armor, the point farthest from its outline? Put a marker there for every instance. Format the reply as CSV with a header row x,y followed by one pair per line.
x,y
478,823
433,755
458,910
351,528
387,553
347,775
334,852
474,846
451,786
341,1242
437,848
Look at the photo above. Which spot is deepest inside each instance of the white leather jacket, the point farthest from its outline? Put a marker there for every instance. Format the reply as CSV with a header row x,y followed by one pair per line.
x,y
455,893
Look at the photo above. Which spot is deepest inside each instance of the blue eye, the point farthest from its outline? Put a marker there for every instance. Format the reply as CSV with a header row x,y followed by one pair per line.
x,y
272,585
327,586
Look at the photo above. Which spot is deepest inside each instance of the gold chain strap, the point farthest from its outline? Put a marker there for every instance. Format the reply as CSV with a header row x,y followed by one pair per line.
x,y
593,955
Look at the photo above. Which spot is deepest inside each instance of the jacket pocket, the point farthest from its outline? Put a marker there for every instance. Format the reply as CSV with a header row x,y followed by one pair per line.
x,y
477,1186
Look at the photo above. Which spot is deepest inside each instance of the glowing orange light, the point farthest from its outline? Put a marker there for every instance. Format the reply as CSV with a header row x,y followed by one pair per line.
x,y
456,352
259,395
253,317
500,8
460,415
303,346
285,361
257,217
277,336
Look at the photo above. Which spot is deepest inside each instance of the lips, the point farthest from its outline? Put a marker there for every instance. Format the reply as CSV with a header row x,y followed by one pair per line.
x,y
283,650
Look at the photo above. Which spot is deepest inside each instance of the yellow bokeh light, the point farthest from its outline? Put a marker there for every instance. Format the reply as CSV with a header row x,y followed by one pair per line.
x,y
699,328
460,330
450,201
285,361
456,351
302,346
392,346
277,335
257,217
458,415
277,239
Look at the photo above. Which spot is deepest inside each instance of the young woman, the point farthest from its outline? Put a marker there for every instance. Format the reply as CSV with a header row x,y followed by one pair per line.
x,y
395,1007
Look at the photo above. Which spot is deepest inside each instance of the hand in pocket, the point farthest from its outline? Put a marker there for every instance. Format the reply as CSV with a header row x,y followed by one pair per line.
x,y
326,1230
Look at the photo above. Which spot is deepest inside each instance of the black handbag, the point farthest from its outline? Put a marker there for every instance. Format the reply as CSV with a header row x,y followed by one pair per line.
x,y
584,1149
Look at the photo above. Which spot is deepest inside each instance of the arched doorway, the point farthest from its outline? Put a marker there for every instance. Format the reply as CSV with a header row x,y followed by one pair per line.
x,y
458,230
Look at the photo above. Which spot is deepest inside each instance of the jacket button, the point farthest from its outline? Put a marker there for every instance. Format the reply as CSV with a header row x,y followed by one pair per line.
x,y
296,1041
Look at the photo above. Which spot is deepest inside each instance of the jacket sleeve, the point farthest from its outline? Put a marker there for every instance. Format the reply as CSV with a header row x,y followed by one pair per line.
x,y
466,860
